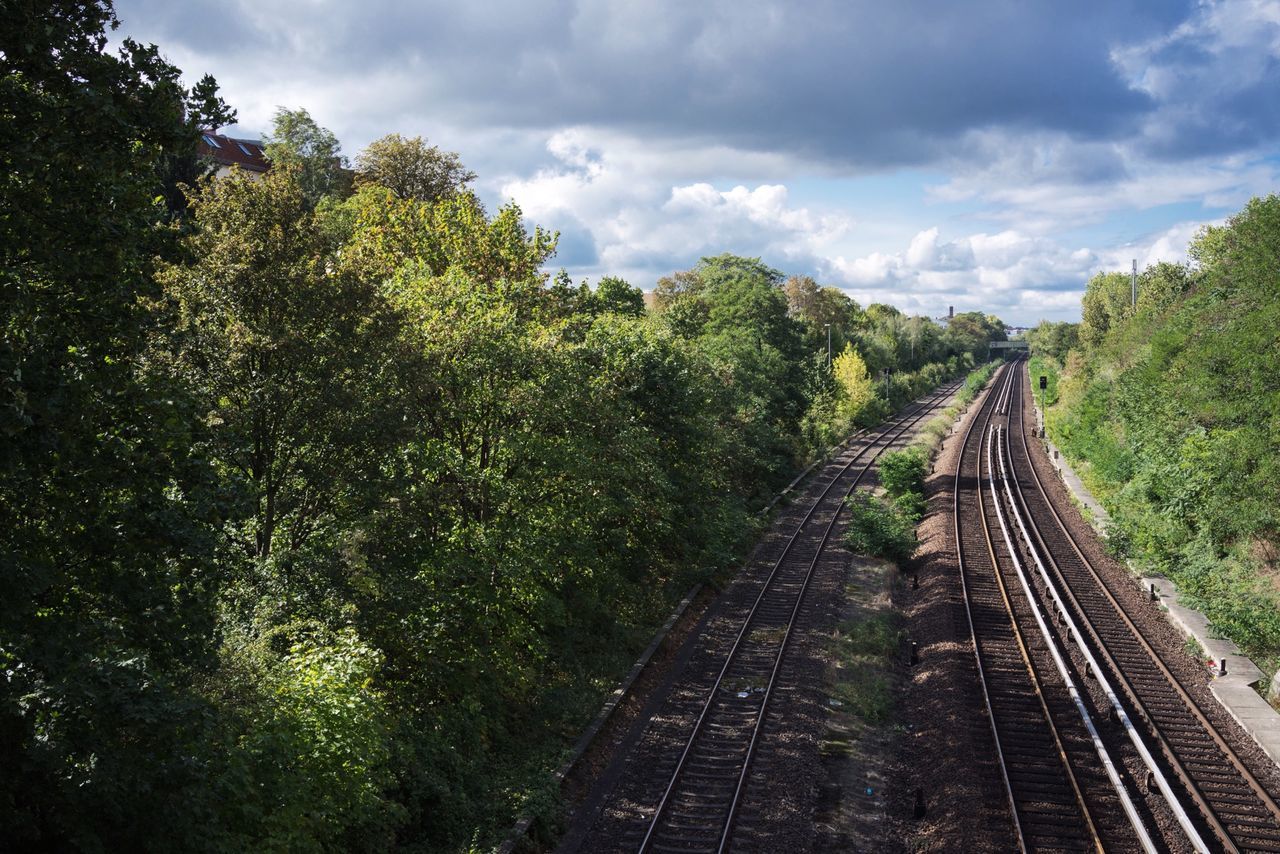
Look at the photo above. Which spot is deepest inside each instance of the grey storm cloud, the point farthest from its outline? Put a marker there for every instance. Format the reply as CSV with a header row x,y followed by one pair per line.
x,y
866,84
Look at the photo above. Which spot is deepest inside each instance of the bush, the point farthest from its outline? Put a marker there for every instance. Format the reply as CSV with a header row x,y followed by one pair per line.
x,y
912,505
879,529
903,471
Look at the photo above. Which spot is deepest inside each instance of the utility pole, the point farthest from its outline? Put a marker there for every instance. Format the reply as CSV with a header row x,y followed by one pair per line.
x,y
828,325
1134,285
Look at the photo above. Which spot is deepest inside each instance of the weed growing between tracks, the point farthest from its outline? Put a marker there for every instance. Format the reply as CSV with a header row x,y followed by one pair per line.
x,y
864,730
860,724
863,649
880,528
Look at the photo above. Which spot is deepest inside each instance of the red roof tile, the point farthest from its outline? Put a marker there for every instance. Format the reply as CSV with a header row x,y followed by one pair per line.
x,y
228,151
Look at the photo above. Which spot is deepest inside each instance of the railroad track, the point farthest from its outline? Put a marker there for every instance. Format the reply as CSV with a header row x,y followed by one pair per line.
x,y
1095,735
1046,797
1213,782
686,794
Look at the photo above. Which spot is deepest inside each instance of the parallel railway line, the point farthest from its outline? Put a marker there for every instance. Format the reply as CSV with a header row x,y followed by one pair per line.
x,y
692,798
1050,639
1237,810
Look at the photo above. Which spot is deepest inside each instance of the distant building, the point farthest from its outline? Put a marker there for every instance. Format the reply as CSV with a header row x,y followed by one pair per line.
x,y
946,321
228,152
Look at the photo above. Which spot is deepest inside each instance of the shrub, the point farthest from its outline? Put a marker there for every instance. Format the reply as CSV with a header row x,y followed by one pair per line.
x,y
879,529
903,471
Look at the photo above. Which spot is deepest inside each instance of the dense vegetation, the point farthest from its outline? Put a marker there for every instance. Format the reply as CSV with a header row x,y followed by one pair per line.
x,y
318,497
1172,406
881,527
884,526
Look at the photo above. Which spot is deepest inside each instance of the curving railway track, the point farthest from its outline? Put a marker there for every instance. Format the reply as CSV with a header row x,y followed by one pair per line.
x,y
1101,745
687,786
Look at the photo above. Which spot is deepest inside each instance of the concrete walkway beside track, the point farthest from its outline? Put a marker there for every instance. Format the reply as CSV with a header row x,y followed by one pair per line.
x,y
1234,690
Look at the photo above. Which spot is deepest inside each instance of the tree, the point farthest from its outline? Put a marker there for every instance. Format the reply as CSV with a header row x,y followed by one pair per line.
x,y
618,296
203,108
715,269
1161,285
387,234
1106,303
107,517
972,332
1054,339
802,297
296,142
411,169
856,387
283,348
679,284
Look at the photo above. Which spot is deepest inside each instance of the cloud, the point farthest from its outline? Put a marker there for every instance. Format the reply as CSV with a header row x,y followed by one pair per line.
x,y
1042,136
1213,80
645,220
1169,244
862,84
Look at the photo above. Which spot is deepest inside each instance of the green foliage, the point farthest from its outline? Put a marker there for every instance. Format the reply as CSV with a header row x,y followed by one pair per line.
x,y
1047,367
863,648
867,693
284,352
316,742
1053,340
108,518
971,332
298,144
1170,412
411,169
876,635
903,471
856,388
616,295
879,529
316,505
974,383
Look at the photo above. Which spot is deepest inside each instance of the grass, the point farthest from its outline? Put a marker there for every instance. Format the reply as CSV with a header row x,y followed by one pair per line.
x,y
863,650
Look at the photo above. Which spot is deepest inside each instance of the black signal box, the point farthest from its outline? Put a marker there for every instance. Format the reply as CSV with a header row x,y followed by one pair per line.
x,y
1044,382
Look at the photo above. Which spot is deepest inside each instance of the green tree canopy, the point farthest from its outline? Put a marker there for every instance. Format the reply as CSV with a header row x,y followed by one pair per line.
x,y
107,517
1054,339
297,142
282,346
617,295
856,387
412,169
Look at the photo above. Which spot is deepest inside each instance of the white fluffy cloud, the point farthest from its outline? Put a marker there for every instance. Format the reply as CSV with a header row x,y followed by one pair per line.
x,y
643,220
653,133
1013,274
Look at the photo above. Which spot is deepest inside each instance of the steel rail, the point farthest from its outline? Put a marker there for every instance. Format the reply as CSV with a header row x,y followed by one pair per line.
x,y
1192,707
905,420
786,639
1021,512
991,407
964,590
1056,652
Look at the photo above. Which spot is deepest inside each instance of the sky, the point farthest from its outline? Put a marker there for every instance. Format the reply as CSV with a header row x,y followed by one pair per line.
x,y
990,155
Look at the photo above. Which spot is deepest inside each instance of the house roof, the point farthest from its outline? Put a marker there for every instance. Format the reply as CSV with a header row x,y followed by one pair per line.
x,y
229,151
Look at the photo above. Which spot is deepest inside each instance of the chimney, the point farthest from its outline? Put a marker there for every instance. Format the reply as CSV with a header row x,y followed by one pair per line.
x,y
951,312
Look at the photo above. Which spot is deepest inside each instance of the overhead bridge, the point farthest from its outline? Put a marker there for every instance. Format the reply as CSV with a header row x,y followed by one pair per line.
x,y
992,346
